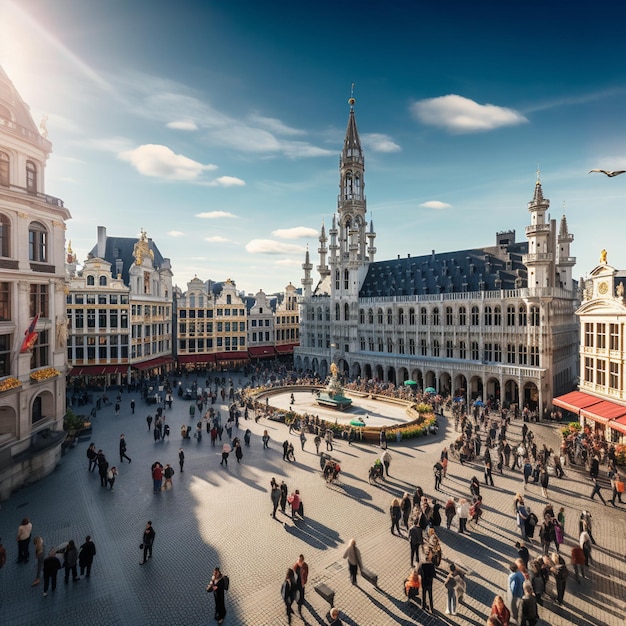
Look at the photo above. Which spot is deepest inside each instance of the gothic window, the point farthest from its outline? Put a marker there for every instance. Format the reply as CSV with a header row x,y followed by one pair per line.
x,y
475,316
436,348
488,352
229,299
370,316
401,345
412,317
327,313
488,316
361,316
362,343
319,313
389,317
337,275
103,281
412,346
522,315
534,356
462,317
497,316
31,177
534,316
462,350
510,353
357,186
423,316
474,350
370,343
435,317
346,312
497,353
348,188
91,281
380,344
401,317
337,312
5,236
4,169
37,242
449,316
449,349
423,348
510,315
379,316
389,344
346,279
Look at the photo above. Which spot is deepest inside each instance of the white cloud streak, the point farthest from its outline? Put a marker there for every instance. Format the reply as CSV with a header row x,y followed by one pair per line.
x,y
214,215
457,114
298,232
268,246
379,142
436,204
161,162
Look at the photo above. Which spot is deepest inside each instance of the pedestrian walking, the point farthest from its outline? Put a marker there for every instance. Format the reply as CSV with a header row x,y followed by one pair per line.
x,y
168,473
51,567
560,572
238,452
157,477
181,458
463,510
584,541
488,476
302,438
353,554
427,573
275,496
544,480
40,557
147,542
450,511
149,420
406,506
317,441
283,495
438,472
596,490
301,570
416,540
217,585
285,449
266,439
329,440
287,592
117,408
70,561
515,590
295,502
103,468
111,476
24,531
578,562
529,614
225,453
500,611
85,556
452,583
132,406
123,454
385,457
395,512
92,456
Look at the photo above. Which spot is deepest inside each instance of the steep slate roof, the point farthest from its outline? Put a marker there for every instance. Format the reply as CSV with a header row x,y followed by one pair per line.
x,y
447,272
122,248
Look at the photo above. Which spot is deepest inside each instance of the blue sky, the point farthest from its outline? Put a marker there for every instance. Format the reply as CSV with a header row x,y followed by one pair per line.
x,y
217,125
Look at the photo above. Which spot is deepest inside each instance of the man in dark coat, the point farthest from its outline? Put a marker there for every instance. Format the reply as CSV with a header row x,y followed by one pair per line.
x,y
51,566
85,556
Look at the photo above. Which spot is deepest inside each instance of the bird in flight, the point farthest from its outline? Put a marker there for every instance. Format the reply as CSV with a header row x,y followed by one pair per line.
x,y
609,173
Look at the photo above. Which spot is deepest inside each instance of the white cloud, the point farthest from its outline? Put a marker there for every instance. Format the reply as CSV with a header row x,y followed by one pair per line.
x,y
299,232
213,215
267,246
107,144
217,239
274,125
379,142
159,161
175,233
461,115
226,181
182,125
289,262
436,204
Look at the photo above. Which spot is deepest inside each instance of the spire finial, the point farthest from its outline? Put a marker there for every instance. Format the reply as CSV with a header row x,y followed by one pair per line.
x,y
352,99
538,175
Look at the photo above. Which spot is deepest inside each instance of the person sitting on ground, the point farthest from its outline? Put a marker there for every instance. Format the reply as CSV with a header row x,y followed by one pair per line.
x,y
412,586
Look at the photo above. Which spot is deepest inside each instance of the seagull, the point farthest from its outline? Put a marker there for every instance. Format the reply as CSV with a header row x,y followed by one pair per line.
x,y
609,174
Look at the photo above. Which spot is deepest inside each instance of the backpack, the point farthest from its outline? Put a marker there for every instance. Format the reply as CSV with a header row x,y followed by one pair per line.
x,y
226,582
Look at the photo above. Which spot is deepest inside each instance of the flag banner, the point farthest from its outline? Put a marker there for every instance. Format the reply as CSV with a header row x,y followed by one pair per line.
x,y
30,336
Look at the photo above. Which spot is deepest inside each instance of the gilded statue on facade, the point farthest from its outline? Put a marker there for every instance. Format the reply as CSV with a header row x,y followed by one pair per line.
x,y
142,248
603,257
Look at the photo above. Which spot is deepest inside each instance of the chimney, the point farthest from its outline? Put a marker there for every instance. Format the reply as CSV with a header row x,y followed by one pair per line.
x,y
102,242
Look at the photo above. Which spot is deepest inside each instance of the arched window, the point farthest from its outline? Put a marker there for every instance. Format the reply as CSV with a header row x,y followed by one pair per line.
x,y
389,317
389,344
462,317
412,317
192,301
522,315
4,169
401,316
488,317
37,242
103,281
229,299
361,316
436,319
510,316
379,315
534,316
380,344
5,236
475,316
497,316
327,313
474,349
346,279
362,343
436,348
497,353
423,316
319,313
370,316
346,312
449,316
31,177
337,312
462,350
91,281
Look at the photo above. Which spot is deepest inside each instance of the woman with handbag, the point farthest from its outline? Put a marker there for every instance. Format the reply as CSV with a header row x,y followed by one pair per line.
x,y
218,587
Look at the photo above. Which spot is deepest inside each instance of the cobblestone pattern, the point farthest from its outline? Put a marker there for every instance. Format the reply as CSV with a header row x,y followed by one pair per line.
x,y
216,515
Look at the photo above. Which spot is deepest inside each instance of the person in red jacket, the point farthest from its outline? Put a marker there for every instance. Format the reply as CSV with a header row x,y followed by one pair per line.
x,y
301,570
294,501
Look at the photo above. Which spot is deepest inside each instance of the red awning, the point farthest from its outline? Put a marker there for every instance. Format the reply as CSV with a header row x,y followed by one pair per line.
x,y
286,349
261,351
231,356
575,401
196,358
146,365
604,411
619,424
99,370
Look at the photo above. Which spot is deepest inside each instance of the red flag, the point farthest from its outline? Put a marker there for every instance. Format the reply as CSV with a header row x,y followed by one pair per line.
x,y
30,336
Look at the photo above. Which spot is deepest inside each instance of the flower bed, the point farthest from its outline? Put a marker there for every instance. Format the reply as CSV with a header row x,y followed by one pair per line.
x,y
44,374
9,382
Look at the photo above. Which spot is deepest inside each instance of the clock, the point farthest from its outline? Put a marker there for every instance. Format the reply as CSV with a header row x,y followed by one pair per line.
x,y
603,288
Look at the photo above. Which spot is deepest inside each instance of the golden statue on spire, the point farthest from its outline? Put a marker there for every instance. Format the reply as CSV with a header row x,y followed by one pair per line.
x,y
603,260
142,248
